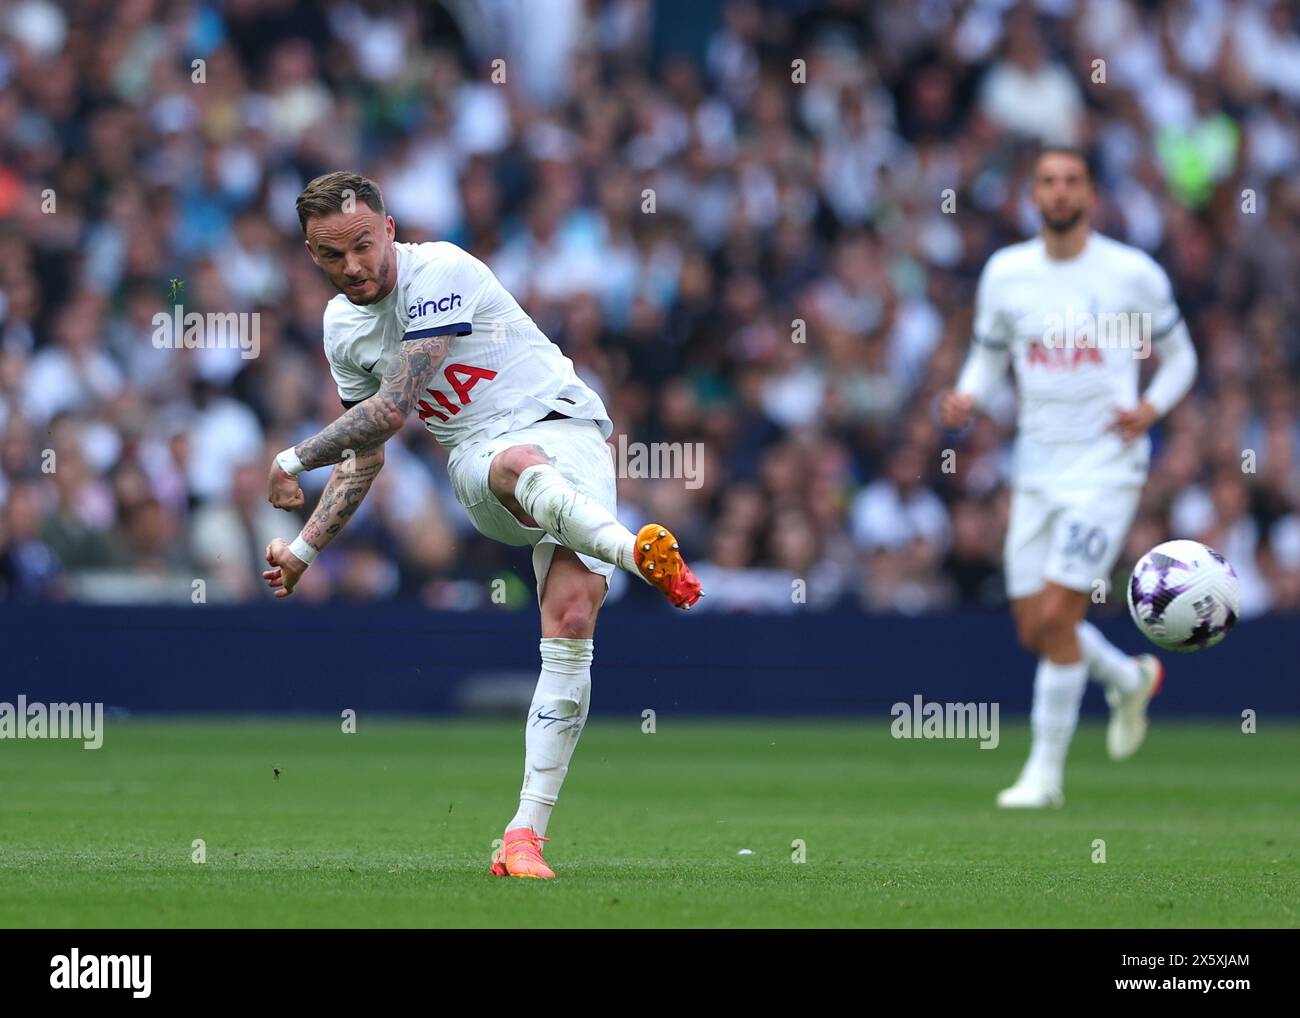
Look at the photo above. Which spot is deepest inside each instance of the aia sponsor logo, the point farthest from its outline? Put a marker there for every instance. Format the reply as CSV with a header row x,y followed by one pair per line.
x,y
436,305
1060,358
462,378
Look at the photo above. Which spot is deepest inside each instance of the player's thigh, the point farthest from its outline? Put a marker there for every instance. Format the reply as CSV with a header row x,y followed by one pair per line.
x,y
571,595
483,476
1087,536
469,469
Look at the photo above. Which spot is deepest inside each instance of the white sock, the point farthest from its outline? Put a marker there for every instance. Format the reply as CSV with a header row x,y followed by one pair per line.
x,y
555,721
1106,662
532,814
1058,691
576,520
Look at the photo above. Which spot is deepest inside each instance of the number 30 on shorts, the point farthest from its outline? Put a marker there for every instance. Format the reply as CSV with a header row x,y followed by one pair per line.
x,y
1087,542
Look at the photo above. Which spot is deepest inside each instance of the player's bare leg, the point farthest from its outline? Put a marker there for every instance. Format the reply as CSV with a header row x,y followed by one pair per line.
x,y
527,484
1047,624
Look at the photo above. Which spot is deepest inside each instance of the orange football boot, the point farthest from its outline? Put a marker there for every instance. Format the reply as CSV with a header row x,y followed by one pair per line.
x,y
662,566
520,855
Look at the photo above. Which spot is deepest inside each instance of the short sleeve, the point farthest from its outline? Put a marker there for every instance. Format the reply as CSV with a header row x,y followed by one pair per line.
x,y
444,295
353,381
354,385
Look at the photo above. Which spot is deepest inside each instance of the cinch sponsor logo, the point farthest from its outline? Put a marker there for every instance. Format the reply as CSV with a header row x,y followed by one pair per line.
x,y
83,721
72,971
424,307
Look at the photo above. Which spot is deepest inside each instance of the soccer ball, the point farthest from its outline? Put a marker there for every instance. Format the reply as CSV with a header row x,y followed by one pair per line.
x,y
1184,596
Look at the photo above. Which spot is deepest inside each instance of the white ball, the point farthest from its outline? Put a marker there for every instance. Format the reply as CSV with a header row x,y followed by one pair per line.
x,y
1184,596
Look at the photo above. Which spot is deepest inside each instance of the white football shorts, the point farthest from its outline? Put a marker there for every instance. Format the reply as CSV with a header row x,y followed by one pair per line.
x,y
1071,538
576,448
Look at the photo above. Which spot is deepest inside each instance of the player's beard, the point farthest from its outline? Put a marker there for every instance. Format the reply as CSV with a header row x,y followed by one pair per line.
x,y
381,279
385,271
1063,224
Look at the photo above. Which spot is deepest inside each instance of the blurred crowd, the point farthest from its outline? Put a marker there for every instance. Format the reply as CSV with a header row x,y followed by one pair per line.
x,y
738,225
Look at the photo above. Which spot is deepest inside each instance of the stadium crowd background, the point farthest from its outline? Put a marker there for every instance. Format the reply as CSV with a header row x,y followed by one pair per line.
x,y
776,201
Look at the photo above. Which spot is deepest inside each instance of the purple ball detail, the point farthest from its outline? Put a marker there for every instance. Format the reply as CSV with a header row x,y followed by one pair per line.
x,y
1159,598
1205,631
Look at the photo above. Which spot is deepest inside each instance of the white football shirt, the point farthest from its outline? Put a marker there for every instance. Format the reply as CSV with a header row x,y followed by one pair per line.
x,y
1077,331
501,373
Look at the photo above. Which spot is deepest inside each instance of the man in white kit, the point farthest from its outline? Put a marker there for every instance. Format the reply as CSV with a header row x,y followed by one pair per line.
x,y
428,328
1075,313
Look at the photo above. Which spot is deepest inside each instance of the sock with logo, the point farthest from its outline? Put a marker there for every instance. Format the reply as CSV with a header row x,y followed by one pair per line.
x,y
576,520
555,720
1107,663
1058,691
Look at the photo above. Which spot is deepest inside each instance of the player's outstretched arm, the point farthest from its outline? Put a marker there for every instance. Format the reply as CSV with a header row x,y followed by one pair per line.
x,y
347,487
366,426
374,421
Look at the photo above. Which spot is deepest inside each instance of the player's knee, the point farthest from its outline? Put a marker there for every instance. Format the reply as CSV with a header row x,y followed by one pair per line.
x,y
568,607
575,618
509,463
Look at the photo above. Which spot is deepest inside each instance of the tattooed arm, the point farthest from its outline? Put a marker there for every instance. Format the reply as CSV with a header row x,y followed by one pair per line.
x,y
342,496
370,423
374,421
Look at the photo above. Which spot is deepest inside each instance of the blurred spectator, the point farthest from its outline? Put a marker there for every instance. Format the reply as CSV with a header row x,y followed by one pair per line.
x,y
1028,94
739,257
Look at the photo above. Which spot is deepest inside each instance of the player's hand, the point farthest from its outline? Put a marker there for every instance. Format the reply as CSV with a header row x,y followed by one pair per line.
x,y
283,491
955,409
286,568
1133,424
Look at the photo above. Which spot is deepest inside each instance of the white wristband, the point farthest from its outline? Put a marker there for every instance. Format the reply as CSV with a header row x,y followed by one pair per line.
x,y
303,551
289,462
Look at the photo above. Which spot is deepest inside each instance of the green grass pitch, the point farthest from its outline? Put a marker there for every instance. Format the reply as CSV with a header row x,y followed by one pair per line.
x,y
392,826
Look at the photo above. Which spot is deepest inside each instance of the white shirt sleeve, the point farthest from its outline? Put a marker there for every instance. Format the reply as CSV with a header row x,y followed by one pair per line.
x,y
1176,366
445,294
991,344
1175,369
1155,296
353,381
